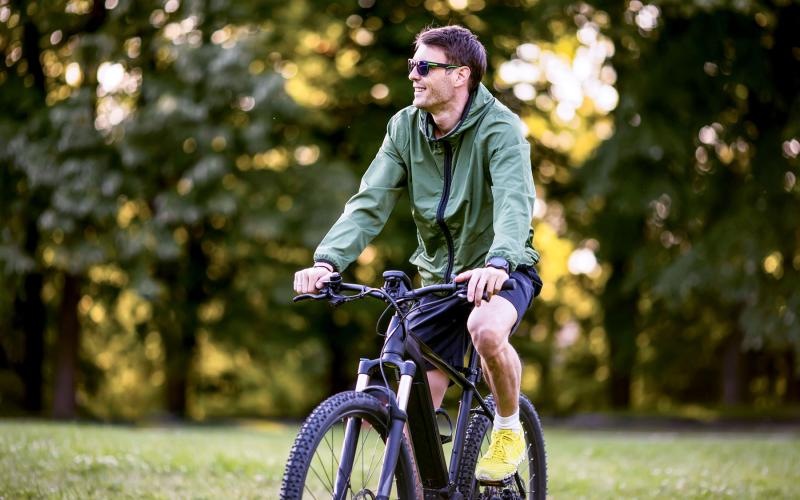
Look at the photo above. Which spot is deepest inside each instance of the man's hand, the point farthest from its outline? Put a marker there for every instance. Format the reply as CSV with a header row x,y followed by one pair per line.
x,y
312,279
482,279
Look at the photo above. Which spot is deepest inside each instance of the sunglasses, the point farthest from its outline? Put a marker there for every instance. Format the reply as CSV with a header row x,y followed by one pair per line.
x,y
423,67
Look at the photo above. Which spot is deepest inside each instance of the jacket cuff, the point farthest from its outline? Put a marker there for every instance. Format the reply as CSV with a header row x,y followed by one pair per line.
x,y
330,260
327,265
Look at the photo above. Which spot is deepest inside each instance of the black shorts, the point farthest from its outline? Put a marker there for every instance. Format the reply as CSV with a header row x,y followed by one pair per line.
x,y
443,326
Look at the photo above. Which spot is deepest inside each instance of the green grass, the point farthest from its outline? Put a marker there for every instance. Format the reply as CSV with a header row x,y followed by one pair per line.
x,y
49,460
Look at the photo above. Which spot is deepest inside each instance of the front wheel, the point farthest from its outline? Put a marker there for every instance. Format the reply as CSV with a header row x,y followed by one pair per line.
x,y
531,479
338,452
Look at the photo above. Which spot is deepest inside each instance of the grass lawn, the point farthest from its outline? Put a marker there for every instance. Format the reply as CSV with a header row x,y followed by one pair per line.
x,y
50,460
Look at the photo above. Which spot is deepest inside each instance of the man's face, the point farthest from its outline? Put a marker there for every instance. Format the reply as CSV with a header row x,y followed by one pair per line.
x,y
434,90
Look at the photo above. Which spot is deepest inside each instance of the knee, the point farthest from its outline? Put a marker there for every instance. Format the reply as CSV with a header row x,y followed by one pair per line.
x,y
488,336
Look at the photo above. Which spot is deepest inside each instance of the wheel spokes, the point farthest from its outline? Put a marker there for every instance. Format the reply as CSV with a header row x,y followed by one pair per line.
x,y
326,465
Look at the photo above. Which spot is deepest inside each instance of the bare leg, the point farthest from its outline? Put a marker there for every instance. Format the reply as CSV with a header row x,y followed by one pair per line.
x,y
489,326
438,382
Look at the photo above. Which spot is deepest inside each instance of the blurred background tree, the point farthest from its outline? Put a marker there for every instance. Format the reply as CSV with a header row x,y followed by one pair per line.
x,y
167,166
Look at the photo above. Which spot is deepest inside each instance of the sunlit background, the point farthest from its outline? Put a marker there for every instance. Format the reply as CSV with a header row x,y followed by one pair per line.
x,y
168,165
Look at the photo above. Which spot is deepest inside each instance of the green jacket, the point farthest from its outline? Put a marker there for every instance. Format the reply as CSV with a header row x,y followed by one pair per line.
x,y
471,192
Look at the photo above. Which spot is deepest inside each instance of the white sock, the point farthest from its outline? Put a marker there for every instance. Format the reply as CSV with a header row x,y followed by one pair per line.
x,y
509,422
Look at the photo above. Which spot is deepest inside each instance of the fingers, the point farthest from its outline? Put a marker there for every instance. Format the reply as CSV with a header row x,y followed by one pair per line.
x,y
300,281
463,276
492,286
476,286
320,282
484,280
310,280
499,278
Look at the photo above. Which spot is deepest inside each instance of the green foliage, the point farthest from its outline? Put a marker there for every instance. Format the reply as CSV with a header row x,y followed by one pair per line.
x,y
695,185
182,159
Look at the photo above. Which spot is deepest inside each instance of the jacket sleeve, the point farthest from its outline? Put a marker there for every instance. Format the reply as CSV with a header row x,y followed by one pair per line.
x,y
513,192
366,212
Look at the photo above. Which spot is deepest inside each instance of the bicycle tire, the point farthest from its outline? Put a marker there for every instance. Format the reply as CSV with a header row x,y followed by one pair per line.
x,y
302,479
477,440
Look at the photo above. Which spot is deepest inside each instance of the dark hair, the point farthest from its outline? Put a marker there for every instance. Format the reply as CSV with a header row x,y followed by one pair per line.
x,y
460,46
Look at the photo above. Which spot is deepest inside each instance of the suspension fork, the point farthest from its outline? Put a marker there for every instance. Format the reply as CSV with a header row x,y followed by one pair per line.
x,y
397,419
351,435
347,457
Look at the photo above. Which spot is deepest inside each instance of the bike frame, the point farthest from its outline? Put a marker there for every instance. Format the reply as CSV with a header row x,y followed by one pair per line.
x,y
412,405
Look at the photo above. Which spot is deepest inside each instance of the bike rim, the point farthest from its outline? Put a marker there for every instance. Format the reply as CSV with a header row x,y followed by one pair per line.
x,y
365,453
521,485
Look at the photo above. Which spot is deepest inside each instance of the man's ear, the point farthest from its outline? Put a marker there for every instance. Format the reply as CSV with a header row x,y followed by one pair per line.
x,y
462,75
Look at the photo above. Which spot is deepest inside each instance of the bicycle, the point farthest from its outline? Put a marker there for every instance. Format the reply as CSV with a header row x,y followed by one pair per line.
x,y
354,444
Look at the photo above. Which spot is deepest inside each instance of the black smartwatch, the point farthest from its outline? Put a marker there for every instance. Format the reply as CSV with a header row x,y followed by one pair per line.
x,y
498,263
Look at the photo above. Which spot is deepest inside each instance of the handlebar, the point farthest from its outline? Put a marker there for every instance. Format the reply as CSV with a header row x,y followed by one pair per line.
x,y
334,286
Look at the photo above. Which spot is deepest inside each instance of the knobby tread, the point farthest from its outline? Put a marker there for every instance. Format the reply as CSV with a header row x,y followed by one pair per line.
x,y
321,419
476,430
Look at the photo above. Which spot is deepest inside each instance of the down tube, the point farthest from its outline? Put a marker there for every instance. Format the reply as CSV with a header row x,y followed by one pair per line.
x,y
425,437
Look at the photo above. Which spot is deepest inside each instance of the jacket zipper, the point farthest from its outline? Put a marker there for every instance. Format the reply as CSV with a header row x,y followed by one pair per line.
x,y
448,179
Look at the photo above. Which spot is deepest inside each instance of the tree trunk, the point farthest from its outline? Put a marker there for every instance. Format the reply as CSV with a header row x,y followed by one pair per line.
x,y
179,329
33,318
179,351
620,325
30,320
340,345
792,378
67,346
29,310
732,375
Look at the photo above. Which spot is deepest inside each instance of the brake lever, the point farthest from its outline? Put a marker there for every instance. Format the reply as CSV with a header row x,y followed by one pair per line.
x,y
309,296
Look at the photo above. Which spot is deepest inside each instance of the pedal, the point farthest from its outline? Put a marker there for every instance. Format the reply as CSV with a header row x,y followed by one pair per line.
x,y
498,490
503,483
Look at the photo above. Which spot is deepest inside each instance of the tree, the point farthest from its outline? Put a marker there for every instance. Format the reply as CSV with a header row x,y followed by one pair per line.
x,y
48,163
702,157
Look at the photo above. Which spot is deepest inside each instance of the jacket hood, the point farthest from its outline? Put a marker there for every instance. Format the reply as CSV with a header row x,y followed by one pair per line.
x,y
477,105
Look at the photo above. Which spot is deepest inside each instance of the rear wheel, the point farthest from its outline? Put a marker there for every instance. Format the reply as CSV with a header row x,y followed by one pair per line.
x,y
338,452
530,482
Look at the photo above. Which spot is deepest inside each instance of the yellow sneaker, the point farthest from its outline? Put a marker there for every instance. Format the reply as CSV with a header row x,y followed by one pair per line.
x,y
506,452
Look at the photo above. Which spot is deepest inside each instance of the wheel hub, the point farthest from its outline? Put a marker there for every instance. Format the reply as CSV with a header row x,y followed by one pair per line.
x,y
364,494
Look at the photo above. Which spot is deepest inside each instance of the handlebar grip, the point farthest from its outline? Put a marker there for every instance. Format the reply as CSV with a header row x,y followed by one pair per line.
x,y
509,284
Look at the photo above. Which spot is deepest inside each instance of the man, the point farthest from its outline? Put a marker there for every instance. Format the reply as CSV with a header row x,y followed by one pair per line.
x,y
461,156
